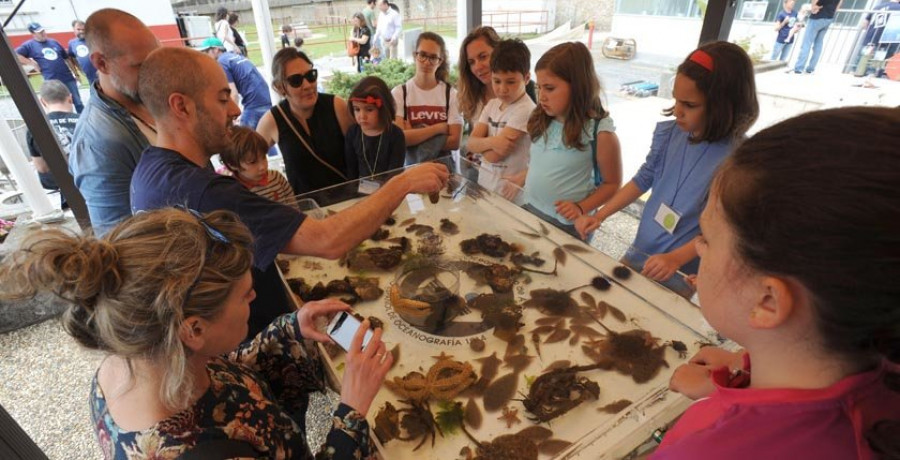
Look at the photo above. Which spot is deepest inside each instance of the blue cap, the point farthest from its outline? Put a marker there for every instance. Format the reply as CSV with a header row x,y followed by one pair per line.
x,y
35,27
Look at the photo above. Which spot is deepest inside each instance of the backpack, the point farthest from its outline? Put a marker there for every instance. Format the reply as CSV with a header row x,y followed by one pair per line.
x,y
598,178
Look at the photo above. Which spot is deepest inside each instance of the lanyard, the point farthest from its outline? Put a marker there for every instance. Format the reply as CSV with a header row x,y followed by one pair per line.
x,y
680,181
362,140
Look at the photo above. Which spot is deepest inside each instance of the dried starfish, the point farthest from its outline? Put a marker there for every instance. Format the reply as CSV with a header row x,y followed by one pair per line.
x,y
510,416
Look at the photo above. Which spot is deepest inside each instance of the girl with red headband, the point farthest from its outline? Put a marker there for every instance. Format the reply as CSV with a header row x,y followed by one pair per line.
x,y
374,144
715,104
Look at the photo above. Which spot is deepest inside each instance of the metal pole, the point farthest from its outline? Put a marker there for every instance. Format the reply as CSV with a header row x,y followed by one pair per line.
x,y
468,17
266,37
718,20
44,136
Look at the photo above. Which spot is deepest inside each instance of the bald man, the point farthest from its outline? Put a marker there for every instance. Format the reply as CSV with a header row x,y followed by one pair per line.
x,y
194,112
115,127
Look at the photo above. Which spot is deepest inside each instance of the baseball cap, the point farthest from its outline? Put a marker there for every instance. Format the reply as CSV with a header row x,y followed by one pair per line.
x,y
211,42
35,27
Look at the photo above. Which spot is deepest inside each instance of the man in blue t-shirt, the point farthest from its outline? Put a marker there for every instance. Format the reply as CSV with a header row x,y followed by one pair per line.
x,y
194,113
78,49
784,22
244,80
42,52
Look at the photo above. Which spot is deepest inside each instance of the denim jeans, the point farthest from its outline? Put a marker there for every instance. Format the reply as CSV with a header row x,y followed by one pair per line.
x,y
781,51
814,38
76,96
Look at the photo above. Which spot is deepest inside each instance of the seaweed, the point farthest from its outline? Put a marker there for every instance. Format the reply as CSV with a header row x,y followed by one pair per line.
x,y
556,392
449,227
552,302
615,407
472,416
634,353
519,259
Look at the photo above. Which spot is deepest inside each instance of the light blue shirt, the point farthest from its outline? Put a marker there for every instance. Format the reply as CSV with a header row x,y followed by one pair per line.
x,y
105,149
389,25
557,172
679,174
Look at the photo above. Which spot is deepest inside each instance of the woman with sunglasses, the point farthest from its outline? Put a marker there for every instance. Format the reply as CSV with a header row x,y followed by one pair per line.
x,y
426,105
308,126
165,295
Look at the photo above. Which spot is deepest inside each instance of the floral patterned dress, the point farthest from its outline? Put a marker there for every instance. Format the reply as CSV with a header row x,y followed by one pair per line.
x,y
258,394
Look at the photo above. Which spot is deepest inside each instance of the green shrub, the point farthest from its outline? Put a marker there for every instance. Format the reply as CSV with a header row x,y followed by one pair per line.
x,y
394,72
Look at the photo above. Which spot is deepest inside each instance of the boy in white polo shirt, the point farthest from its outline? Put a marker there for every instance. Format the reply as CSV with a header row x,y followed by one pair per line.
x,y
501,134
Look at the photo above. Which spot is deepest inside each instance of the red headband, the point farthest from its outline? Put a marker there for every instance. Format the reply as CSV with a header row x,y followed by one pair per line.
x,y
703,59
376,101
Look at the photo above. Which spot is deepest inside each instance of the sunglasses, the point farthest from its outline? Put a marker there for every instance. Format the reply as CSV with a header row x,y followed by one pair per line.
x,y
432,59
297,79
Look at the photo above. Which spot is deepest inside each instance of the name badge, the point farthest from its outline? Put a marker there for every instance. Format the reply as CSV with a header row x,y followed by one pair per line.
x,y
368,187
667,218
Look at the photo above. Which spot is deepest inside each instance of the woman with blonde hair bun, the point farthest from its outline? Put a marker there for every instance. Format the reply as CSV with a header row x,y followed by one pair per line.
x,y
166,296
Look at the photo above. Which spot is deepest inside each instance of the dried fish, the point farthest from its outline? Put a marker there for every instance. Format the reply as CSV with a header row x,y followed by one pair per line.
x,y
615,407
544,229
531,235
560,255
536,433
558,336
563,363
518,363
500,392
473,416
552,447
584,330
489,366
616,313
589,300
515,346
547,320
536,341
576,248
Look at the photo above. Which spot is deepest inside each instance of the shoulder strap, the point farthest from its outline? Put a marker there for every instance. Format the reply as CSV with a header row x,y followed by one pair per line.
x,y
305,144
598,178
220,448
405,110
447,98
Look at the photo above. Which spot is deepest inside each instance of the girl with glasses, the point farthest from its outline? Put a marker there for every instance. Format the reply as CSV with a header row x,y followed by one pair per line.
x,y
426,105
165,295
308,126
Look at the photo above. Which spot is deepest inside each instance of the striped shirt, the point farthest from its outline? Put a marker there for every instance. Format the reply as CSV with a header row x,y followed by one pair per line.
x,y
275,188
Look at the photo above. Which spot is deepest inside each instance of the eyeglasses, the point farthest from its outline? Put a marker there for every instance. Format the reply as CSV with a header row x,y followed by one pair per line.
x,y
432,59
297,79
214,234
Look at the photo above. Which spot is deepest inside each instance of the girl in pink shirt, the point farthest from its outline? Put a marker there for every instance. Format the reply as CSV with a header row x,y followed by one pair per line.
x,y
800,252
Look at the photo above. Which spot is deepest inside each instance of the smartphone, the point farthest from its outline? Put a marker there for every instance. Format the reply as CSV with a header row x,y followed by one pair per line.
x,y
342,329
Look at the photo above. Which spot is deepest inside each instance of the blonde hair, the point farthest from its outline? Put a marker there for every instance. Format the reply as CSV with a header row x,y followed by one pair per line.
x,y
130,291
571,62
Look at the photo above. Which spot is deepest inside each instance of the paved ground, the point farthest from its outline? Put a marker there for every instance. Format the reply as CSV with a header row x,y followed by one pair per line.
x,y
46,376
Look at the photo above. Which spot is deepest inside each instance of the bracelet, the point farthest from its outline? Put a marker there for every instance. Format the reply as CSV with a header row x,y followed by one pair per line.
x,y
579,208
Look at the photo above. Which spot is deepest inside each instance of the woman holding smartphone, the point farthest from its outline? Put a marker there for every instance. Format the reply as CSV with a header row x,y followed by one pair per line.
x,y
165,295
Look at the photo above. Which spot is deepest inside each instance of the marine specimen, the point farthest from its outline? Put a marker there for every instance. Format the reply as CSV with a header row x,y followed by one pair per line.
x,y
634,353
556,392
489,245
